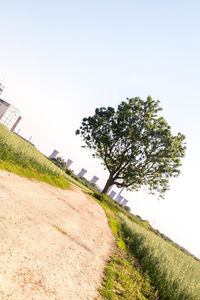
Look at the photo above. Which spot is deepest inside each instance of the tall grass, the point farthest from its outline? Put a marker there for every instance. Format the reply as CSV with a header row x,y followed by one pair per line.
x,y
18,156
175,274
124,278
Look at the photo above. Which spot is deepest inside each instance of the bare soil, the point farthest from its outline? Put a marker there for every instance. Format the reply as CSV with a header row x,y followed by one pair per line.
x,y
54,243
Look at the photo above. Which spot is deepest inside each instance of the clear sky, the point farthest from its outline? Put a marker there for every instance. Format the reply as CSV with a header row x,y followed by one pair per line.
x,y
59,60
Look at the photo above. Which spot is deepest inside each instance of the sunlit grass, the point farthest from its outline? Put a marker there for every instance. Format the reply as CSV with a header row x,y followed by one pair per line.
x,y
124,279
175,274
20,157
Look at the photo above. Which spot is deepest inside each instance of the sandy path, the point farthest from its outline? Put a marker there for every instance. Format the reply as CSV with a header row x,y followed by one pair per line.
x,y
53,243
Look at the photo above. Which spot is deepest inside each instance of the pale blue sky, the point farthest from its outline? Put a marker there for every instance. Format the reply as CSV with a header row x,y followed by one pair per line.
x,y
62,59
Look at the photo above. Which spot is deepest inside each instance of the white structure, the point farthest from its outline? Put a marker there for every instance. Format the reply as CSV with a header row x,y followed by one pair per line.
x,y
82,172
9,115
68,163
118,196
119,199
1,88
124,202
54,154
112,194
94,179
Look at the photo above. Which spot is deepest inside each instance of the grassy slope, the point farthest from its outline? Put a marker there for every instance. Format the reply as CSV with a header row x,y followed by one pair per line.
x,y
144,265
173,273
20,157
124,277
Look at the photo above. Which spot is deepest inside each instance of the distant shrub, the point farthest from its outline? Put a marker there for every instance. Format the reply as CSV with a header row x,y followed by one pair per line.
x,y
127,208
98,196
60,162
68,172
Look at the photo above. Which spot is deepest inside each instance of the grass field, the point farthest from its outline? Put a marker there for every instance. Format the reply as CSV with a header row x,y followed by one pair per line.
x,y
20,157
145,265
175,274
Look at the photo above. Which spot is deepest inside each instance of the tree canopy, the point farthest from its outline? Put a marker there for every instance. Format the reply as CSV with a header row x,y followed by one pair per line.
x,y
135,144
60,162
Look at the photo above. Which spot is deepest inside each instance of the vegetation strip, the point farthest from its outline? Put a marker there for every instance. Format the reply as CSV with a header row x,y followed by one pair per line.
x,y
123,278
168,272
174,273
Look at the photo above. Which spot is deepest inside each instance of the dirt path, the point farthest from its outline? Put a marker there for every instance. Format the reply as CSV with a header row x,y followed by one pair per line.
x,y
53,243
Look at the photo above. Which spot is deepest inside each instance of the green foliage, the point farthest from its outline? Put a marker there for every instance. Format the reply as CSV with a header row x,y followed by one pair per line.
x,y
20,157
127,208
77,183
135,144
104,198
175,274
93,187
108,202
82,182
166,238
60,162
124,280
116,229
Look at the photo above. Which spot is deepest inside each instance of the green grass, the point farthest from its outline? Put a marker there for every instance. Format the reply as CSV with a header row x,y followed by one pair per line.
x,y
175,274
124,278
77,183
108,202
165,270
20,157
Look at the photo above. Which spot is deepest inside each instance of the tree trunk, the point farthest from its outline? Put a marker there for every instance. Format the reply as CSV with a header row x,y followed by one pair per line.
x,y
108,184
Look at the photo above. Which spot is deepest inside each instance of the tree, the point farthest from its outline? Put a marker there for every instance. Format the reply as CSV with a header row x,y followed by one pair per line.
x,y
135,145
60,162
127,208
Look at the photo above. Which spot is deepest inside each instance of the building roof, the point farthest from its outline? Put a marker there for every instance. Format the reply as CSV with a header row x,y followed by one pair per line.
x,y
8,104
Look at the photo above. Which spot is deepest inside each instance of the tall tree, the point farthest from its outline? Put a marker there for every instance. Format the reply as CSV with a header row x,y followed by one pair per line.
x,y
135,144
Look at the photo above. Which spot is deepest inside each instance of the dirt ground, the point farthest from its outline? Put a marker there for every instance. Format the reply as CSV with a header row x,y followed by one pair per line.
x,y
54,243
